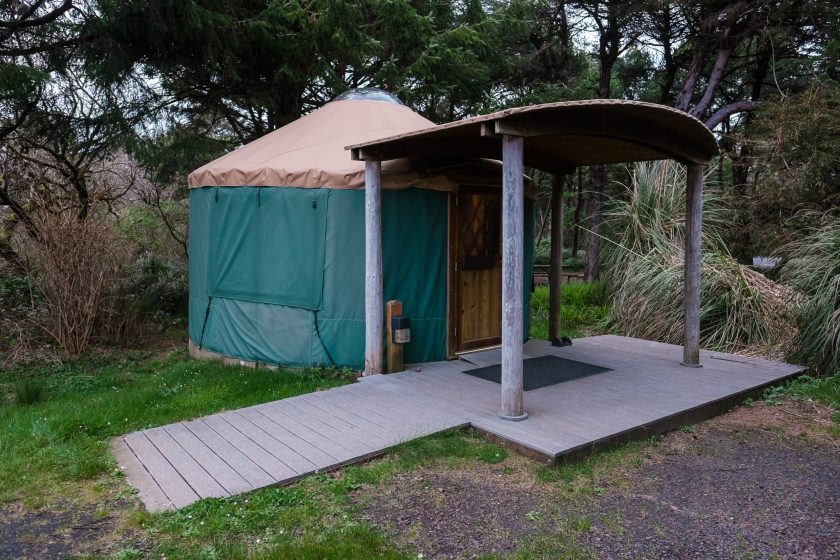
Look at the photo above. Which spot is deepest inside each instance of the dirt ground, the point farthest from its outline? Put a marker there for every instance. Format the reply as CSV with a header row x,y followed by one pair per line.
x,y
65,532
448,512
759,482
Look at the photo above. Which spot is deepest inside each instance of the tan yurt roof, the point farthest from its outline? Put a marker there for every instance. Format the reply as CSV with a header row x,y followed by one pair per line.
x,y
309,152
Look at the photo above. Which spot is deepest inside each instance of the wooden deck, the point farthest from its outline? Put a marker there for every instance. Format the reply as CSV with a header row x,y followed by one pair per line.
x,y
647,392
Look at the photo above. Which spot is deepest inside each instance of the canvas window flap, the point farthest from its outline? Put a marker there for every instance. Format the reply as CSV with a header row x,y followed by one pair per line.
x,y
268,246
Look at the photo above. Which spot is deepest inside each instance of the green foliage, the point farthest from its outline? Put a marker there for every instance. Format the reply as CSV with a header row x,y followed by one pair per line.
x,y
492,456
585,306
797,143
168,157
651,214
542,255
543,63
268,62
160,283
773,395
129,554
51,447
813,268
585,472
29,391
14,295
825,390
16,327
19,80
145,227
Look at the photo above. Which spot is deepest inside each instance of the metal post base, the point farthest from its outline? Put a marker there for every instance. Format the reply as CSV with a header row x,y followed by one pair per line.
x,y
561,341
691,365
520,418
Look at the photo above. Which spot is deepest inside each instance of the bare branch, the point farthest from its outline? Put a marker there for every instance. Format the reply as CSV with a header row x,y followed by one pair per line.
x,y
26,18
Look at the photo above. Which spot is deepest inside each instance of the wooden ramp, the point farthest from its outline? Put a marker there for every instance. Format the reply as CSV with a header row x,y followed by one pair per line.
x,y
647,392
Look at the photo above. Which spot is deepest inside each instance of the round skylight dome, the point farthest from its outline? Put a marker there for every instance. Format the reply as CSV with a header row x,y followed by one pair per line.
x,y
369,94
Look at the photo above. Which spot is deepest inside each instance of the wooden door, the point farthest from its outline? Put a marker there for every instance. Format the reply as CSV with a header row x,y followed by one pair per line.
x,y
478,268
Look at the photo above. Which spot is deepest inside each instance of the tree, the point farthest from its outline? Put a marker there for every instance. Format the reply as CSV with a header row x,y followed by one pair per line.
x,y
256,65
35,37
167,158
543,63
732,56
795,162
66,156
617,26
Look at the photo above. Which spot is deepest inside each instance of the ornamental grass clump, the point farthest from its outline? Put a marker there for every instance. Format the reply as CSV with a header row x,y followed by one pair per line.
x,y
813,267
643,265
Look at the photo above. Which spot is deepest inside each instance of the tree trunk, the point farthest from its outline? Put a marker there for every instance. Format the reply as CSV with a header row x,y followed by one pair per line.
x,y
578,208
594,202
740,234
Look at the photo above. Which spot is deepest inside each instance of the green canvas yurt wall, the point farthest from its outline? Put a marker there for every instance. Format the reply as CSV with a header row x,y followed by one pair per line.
x,y
277,273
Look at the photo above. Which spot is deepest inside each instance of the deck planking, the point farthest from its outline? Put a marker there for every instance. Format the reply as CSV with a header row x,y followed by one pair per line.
x,y
236,451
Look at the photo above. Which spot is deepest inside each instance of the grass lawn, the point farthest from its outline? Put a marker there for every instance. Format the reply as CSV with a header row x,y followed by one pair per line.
x,y
584,310
454,493
56,419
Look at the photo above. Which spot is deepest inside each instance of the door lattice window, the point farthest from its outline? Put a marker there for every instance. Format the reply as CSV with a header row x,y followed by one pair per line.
x,y
480,229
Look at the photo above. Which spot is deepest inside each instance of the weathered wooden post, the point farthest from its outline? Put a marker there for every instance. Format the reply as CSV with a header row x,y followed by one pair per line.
x,y
395,349
374,304
513,219
556,270
693,231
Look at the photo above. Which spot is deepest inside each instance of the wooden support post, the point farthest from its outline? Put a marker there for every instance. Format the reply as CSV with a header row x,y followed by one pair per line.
x,y
513,226
395,350
693,231
556,273
374,313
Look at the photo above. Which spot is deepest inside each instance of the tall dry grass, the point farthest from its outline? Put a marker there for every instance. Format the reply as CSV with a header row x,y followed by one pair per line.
x,y
644,261
813,267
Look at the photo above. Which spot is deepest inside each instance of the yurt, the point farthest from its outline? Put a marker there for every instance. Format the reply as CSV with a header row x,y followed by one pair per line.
x,y
277,244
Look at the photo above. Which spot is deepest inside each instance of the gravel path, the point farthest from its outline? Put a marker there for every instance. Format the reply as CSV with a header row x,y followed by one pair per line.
x,y
758,498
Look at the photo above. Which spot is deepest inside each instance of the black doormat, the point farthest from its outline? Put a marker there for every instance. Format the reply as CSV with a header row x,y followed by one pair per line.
x,y
542,371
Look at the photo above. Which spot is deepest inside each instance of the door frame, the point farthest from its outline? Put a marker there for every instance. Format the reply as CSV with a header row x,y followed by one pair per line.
x,y
453,270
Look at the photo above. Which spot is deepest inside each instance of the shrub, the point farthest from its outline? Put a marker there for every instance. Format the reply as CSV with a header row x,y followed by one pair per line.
x,y
160,283
158,230
813,267
643,264
17,332
79,266
542,255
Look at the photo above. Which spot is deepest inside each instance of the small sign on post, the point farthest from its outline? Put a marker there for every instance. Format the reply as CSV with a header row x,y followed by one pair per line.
x,y
399,333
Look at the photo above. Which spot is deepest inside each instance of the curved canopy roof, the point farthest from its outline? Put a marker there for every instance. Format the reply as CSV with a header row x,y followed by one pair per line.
x,y
560,136
309,152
